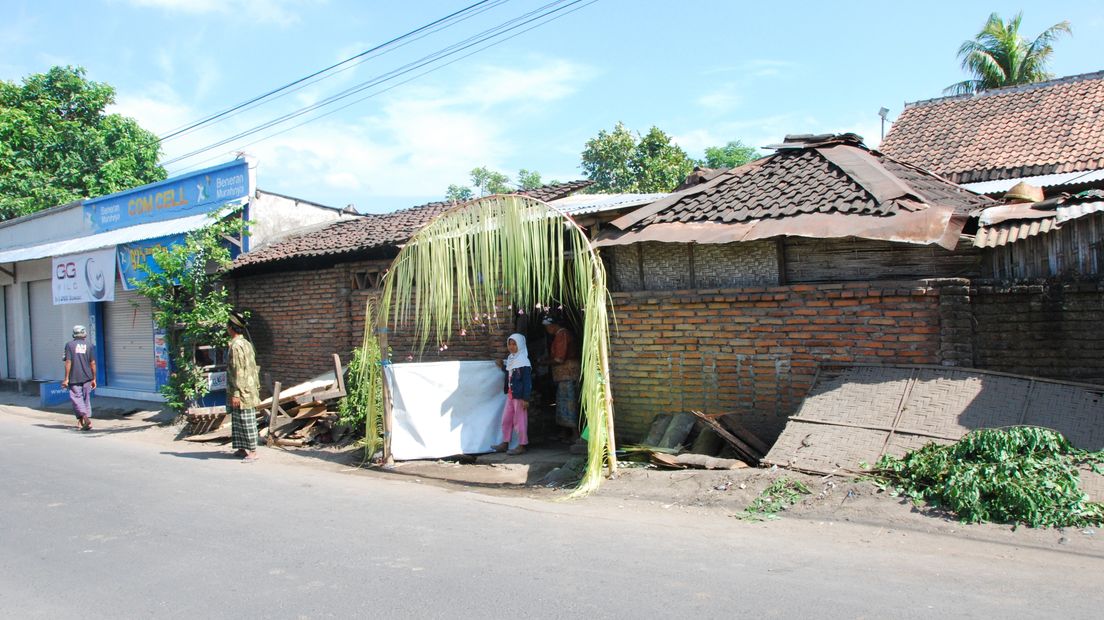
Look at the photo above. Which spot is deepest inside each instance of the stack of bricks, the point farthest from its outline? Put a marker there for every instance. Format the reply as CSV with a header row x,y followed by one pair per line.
x,y
755,351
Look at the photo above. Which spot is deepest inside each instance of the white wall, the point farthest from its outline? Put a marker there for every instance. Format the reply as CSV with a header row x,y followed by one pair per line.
x,y
54,224
273,217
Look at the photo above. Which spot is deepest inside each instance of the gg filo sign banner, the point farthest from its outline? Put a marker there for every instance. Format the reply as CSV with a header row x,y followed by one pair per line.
x,y
85,277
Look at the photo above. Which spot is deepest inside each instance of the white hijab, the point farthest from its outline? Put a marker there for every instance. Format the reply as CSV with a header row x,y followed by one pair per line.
x,y
519,359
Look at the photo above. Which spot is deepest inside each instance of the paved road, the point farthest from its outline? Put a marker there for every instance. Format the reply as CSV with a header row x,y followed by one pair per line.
x,y
96,526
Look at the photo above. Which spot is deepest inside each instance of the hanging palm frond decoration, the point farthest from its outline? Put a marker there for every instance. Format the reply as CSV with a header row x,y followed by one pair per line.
x,y
463,264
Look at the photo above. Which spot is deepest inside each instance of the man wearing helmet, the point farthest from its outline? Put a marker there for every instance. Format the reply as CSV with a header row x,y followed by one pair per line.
x,y
80,375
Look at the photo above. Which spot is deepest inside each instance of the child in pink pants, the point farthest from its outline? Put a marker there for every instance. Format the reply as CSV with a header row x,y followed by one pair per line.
x,y
519,386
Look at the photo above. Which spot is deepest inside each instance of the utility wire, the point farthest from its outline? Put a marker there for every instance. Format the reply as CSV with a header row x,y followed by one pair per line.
x,y
489,34
300,82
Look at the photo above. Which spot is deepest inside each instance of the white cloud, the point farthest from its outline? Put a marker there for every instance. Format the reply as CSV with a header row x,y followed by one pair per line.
x,y
410,142
721,100
282,12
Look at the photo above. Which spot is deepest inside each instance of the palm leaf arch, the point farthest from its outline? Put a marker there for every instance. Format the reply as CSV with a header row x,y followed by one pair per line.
x,y
469,259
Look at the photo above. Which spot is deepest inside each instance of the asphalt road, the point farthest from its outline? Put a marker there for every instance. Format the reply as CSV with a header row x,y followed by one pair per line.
x,y
96,526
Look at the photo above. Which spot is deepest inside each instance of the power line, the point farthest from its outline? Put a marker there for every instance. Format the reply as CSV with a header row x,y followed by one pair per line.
x,y
389,88
387,44
489,34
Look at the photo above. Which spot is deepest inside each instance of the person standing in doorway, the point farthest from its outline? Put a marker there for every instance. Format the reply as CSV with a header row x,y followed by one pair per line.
x,y
243,390
80,375
519,385
564,359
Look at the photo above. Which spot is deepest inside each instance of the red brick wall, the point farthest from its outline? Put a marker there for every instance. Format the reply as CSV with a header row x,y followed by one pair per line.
x,y
755,351
299,319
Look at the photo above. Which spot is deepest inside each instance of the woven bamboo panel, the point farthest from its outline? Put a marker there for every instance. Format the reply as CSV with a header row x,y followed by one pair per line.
x,y
1076,413
860,395
825,448
855,413
949,403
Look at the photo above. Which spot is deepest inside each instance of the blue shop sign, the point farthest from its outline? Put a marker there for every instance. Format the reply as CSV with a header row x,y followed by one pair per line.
x,y
200,192
140,253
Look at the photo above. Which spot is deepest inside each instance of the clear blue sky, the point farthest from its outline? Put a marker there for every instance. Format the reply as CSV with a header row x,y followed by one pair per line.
x,y
704,72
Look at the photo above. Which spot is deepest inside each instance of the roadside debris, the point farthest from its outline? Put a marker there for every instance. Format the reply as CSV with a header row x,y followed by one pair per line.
x,y
301,415
711,445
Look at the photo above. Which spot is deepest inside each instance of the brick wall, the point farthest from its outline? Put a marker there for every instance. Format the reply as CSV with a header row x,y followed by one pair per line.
x,y
299,319
755,351
1053,330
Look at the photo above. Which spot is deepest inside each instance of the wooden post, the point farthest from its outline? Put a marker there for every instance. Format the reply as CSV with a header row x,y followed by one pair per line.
x,y
275,411
388,459
339,374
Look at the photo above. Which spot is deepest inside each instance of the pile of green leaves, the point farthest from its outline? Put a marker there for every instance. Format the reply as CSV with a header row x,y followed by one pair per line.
x,y
1022,475
362,406
780,495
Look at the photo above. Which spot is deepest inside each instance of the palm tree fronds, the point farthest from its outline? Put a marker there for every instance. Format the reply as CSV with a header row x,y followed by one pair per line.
x,y
516,251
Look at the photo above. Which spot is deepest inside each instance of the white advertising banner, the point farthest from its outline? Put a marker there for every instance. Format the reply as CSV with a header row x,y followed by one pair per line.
x,y
84,277
441,409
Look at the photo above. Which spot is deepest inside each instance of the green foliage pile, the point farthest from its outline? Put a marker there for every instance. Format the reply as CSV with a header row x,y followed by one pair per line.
x,y
780,495
190,303
1022,475
58,145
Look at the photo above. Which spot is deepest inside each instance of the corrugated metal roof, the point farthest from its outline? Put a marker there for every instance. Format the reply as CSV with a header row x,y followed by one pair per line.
x,y
1043,180
581,204
152,230
1009,232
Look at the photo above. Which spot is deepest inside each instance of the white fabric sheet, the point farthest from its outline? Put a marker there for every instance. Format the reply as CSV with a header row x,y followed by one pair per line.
x,y
444,408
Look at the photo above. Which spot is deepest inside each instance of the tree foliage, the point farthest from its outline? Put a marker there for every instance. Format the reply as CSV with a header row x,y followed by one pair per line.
x,y
529,179
489,181
190,303
731,155
999,56
623,161
58,145
458,193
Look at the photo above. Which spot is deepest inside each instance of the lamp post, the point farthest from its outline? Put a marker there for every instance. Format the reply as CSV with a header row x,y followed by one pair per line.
x,y
882,112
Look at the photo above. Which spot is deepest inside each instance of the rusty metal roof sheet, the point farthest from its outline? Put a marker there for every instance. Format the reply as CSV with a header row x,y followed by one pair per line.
x,y
814,186
1004,224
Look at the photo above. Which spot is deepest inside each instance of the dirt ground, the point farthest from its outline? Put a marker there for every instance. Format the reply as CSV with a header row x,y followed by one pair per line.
x,y
723,494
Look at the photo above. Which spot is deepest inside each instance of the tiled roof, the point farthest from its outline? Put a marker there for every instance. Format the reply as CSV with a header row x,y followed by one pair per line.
x,y
816,174
1036,129
374,231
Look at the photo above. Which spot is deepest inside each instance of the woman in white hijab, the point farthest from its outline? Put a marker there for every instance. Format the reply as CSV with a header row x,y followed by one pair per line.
x,y
519,385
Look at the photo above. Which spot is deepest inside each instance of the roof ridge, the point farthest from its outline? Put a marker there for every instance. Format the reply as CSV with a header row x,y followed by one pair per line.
x,y
1005,90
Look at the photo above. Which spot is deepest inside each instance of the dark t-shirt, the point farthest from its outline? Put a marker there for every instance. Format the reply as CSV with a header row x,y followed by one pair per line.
x,y
81,353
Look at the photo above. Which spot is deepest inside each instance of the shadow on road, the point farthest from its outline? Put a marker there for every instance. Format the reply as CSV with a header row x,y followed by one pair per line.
x,y
203,456
98,430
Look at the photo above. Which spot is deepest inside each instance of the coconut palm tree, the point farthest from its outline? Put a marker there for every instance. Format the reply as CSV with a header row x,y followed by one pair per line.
x,y
999,56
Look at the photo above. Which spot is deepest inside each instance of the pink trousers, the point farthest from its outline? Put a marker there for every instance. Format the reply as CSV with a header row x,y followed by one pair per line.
x,y
514,418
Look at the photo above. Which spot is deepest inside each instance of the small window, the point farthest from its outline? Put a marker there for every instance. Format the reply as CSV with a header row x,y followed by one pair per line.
x,y
367,280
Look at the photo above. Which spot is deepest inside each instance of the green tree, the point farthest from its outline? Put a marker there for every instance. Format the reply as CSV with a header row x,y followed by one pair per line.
x,y
490,181
529,179
57,145
621,161
607,160
731,155
458,193
998,56
190,303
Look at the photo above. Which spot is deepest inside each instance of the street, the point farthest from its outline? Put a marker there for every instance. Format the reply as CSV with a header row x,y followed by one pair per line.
x,y
96,525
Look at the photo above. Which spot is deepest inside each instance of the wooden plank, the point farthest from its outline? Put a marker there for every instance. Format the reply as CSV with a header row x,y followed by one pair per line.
x,y
272,415
323,381
194,411
743,450
339,374
319,397
220,433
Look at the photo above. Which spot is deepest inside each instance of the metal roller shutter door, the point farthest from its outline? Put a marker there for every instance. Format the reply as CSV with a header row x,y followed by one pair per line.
x,y
9,330
48,333
128,342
